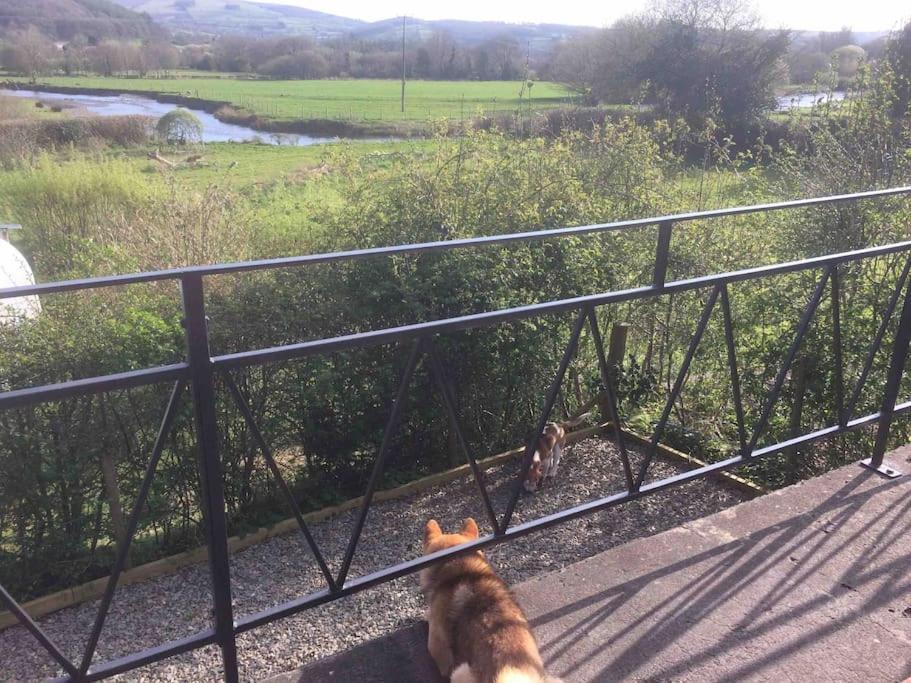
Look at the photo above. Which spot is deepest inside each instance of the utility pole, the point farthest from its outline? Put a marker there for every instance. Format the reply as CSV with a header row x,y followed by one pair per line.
x,y
403,63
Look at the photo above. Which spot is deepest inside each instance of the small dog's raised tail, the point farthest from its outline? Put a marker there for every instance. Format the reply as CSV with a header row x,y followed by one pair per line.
x,y
463,674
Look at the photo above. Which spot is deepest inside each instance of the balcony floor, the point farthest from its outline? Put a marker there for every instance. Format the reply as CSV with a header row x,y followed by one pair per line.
x,y
812,582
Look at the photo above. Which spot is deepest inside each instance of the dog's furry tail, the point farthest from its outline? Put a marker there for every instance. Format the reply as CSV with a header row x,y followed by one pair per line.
x,y
462,674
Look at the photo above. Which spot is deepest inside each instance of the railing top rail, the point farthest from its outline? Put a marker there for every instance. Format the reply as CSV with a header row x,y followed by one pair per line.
x,y
487,318
441,245
38,394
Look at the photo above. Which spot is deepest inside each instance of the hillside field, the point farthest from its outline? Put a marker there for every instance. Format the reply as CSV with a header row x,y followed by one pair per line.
x,y
340,99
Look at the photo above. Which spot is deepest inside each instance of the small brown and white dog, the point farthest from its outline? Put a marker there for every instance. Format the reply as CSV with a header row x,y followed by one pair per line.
x,y
478,632
546,459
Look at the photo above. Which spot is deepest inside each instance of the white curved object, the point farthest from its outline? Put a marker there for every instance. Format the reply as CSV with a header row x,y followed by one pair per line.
x,y
16,272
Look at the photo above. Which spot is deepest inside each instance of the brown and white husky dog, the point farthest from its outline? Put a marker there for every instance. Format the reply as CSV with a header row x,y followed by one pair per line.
x,y
545,461
478,632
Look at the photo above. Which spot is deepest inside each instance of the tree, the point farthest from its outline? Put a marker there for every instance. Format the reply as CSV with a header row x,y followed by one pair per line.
x,y
603,65
848,59
158,56
75,57
305,65
712,59
179,127
805,63
697,58
232,53
898,55
422,63
832,40
481,68
29,53
506,58
109,58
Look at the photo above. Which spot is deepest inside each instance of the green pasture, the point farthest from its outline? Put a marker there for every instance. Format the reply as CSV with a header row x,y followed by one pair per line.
x,y
343,99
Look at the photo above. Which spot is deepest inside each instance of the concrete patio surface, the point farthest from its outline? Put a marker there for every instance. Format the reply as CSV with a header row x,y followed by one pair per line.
x,y
809,583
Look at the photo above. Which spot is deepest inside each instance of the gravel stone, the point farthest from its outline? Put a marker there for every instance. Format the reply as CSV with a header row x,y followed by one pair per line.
x,y
280,569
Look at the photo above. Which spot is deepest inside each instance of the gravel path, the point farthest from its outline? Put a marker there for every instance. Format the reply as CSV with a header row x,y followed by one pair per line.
x,y
280,569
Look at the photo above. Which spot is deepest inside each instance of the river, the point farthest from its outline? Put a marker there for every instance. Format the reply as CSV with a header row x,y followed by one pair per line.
x,y
804,100
213,130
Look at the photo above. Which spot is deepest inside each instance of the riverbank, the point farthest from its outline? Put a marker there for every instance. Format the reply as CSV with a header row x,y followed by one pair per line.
x,y
228,113
332,107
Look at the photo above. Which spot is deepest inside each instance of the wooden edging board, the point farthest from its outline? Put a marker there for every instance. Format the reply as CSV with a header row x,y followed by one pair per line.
x,y
93,590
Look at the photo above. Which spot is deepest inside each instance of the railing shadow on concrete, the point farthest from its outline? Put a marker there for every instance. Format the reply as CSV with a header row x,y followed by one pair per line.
x,y
196,377
751,563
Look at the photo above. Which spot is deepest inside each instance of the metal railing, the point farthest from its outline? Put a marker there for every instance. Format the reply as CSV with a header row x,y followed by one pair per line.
x,y
199,369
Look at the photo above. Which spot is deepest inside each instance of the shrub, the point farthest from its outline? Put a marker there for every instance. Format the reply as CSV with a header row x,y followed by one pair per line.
x,y
25,139
18,143
91,217
179,127
323,415
124,131
71,211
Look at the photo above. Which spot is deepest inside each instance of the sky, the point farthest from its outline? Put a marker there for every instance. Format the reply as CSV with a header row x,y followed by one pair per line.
x,y
820,15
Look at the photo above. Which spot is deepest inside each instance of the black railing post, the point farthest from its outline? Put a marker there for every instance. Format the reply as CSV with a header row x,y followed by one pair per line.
x,y
838,378
732,364
893,383
213,494
877,340
662,250
609,373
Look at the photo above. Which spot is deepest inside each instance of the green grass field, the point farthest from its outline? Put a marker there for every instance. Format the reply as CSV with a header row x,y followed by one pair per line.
x,y
370,100
249,166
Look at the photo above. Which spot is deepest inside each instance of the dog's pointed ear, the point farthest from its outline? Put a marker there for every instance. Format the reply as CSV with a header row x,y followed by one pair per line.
x,y
470,528
432,531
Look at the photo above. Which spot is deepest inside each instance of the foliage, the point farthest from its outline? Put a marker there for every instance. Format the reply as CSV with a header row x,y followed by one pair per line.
x,y
179,127
438,56
324,415
71,211
702,73
636,385
848,59
108,219
88,216
29,53
66,20
697,60
898,56
25,139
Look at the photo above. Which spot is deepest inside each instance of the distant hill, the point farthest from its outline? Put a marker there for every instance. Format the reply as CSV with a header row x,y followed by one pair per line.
x,y
539,38
258,19
223,17
65,19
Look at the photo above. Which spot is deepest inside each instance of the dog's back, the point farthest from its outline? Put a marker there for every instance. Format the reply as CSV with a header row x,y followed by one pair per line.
x,y
492,634
474,613
546,458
